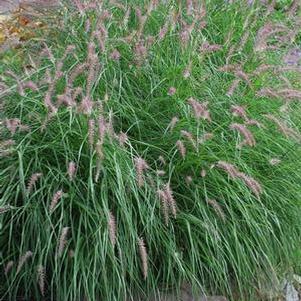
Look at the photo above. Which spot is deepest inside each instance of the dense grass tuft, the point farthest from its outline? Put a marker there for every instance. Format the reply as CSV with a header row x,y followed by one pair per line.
x,y
148,146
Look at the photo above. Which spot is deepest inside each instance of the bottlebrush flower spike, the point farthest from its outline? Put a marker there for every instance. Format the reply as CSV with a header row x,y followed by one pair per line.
x,y
248,136
12,125
31,85
217,208
181,148
41,277
164,203
173,123
112,228
275,161
102,128
115,55
208,48
56,197
170,200
284,128
200,109
162,160
239,111
32,181
8,267
5,208
122,138
62,241
203,173
86,105
172,91
143,257
141,166
189,136
91,131
254,186
233,87
229,168
71,170
23,260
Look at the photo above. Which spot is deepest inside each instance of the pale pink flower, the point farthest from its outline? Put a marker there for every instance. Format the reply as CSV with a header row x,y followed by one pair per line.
x,y
23,260
86,105
12,124
56,197
41,273
173,123
115,55
143,257
208,48
164,203
112,228
274,161
122,138
233,87
188,180
31,85
186,73
181,148
71,170
200,109
217,208
141,166
102,128
203,173
172,91
8,267
251,183
32,181
91,131
189,136
62,241
5,208
229,168
170,200
162,160
248,136
239,111
160,173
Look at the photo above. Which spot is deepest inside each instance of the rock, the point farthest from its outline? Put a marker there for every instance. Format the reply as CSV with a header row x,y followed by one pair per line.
x,y
290,293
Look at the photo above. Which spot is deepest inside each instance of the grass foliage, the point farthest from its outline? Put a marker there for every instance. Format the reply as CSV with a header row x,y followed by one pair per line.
x,y
142,169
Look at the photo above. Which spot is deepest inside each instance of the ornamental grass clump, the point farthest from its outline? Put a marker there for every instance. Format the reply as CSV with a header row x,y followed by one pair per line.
x,y
149,145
